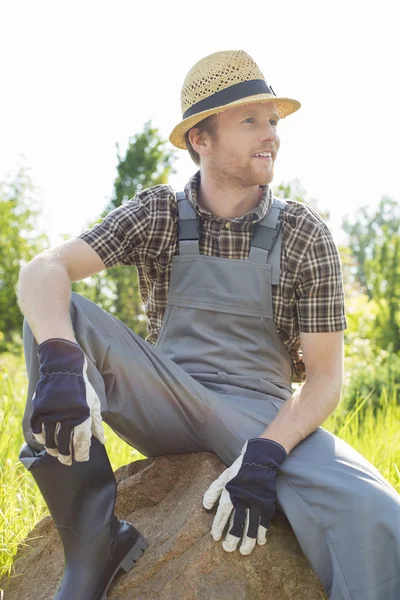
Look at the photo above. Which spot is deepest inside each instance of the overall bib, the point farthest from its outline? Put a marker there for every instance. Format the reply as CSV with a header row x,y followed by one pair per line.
x,y
217,376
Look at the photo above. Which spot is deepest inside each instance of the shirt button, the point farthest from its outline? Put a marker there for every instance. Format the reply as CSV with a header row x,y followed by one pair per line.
x,y
228,225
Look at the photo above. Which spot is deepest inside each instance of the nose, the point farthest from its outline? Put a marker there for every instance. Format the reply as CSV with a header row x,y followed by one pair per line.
x,y
268,132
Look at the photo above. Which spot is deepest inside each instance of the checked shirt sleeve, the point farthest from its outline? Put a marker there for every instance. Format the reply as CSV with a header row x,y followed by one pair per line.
x,y
121,233
320,302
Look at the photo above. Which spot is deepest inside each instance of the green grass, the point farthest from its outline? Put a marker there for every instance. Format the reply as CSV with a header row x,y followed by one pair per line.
x,y
377,437
373,432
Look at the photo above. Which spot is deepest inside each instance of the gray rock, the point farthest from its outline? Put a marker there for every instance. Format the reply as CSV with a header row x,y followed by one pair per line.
x,y
162,497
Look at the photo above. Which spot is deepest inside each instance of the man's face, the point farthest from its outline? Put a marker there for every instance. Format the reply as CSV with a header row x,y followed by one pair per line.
x,y
241,133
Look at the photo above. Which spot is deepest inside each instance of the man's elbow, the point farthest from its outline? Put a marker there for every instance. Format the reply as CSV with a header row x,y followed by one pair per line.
x,y
24,273
36,262
329,381
29,273
336,385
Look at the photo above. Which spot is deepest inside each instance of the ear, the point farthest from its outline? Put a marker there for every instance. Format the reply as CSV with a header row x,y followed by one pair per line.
x,y
200,140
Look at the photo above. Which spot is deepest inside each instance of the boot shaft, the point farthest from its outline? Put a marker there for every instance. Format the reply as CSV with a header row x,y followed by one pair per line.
x,y
80,497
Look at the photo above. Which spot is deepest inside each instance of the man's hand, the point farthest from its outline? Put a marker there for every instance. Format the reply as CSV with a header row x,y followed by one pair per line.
x,y
66,408
248,495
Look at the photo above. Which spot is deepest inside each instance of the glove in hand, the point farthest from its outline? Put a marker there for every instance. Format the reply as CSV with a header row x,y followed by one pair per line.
x,y
247,495
66,408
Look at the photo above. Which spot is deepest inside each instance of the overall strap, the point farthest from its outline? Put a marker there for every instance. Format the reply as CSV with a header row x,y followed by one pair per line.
x,y
266,243
188,228
267,239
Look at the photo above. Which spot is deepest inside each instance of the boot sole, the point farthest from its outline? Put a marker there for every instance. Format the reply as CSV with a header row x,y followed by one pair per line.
x,y
128,562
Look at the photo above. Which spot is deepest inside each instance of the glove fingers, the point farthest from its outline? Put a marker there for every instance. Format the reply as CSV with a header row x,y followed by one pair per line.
x,y
214,491
262,536
238,522
81,440
253,523
248,542
230,543
64,435
98,430
53,451
95,413
97,423
93,402
247,546
267,516
40,434
50,435
224,510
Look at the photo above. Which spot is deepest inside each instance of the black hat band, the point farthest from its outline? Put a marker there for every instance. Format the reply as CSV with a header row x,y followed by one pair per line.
x,y
230,94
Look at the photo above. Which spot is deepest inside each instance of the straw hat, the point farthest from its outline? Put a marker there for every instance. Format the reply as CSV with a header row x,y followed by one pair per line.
x,y
220,81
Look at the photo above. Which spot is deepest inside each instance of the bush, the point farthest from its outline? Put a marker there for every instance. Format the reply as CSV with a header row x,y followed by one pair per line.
x,y
369,371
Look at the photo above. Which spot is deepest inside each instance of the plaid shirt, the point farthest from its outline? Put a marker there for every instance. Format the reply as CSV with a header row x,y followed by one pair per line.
x,y
143,232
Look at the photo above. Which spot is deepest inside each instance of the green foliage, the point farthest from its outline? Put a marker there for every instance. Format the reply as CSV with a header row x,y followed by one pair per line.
x,y
369,368
366,232
19,243
383,279
21,504
147,162
370,371
371,268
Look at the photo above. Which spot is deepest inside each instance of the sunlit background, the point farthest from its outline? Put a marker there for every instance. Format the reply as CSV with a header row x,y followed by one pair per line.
x,y
80,76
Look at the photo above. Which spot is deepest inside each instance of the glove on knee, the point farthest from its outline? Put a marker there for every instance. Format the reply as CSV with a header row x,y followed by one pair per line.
x,y
66,408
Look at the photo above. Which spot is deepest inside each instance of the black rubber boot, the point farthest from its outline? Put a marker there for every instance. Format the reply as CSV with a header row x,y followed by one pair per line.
x,y
81,500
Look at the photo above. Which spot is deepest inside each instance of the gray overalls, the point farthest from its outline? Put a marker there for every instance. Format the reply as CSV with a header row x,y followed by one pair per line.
x,y
217,376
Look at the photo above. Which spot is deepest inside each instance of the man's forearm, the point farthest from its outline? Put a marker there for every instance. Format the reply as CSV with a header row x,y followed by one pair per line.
x,y
303,413
44,291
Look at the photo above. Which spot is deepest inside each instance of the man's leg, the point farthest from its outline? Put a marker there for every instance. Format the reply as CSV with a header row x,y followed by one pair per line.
x,y
345,515
152,404
147,399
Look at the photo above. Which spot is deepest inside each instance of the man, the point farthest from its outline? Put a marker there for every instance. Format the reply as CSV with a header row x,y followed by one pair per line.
x,y
235,282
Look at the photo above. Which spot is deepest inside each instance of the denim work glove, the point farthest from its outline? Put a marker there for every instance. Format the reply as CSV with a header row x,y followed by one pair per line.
x,y
247,490
66,409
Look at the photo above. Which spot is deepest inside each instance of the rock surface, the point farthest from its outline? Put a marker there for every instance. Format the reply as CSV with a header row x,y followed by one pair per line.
x,y
162,497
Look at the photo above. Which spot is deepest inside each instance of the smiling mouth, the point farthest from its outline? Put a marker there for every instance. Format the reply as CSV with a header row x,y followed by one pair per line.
x,y
264,155
264,158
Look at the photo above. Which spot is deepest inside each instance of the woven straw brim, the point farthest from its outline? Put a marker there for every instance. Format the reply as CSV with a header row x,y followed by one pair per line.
x,y
284,106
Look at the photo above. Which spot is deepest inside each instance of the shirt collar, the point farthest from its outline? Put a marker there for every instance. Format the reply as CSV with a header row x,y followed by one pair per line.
x,y
255,215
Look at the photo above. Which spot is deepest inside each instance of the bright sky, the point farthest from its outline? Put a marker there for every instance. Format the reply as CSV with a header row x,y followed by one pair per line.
x,y
79,76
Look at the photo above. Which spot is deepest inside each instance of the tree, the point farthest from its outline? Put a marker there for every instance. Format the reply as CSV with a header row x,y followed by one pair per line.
x,y
383,278
375,245
365,229
147,162
20,241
